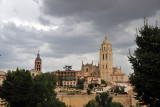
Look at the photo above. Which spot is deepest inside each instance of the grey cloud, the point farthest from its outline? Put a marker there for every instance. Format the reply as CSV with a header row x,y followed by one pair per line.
x,y
44,21
17,41
103,13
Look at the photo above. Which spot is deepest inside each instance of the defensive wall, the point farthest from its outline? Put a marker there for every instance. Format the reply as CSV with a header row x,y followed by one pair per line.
x,y
81,100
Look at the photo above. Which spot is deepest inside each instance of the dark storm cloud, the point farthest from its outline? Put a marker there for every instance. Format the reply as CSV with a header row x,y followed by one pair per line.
x,y
104,13
18,43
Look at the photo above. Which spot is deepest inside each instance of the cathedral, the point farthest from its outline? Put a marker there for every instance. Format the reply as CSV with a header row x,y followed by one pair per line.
x,y
105,69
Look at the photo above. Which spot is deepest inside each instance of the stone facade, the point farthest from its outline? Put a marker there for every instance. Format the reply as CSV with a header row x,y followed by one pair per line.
x,y
93,80
106,60
38,66
105,68
90,70
71,100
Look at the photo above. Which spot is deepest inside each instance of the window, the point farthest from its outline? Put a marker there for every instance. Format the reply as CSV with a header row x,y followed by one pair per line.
x,y
106,56
86,69
106,66
103,56
104,48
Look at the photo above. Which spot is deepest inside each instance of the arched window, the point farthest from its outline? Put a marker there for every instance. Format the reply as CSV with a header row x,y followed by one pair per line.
x,y
86,69
106,56
103,56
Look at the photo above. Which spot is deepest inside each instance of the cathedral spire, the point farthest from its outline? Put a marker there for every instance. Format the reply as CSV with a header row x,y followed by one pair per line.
x,y
106,37
38,56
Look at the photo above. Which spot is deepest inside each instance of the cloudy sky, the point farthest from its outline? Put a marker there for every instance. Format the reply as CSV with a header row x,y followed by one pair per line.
x,y
69,31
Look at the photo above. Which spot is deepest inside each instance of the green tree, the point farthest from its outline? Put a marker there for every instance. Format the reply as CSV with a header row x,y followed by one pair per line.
x,y
67,67
91,86
53,103
116,90
17,89
80,83
44,86
88,92
116,104
146,65
103,81
92,103
103,100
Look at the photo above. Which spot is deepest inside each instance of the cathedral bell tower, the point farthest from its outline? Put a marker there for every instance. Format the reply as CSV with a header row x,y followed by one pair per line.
x,y
38,64
106,60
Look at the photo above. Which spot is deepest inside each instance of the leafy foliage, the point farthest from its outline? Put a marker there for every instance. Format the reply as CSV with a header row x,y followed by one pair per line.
x,y
19,89
80,83
103,81
44,86
91,86
116,104
146,65
52,103
92,103
103,100
119,90
88,92
67,67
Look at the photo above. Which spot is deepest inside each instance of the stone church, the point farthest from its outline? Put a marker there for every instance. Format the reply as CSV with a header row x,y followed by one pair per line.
x,y
38,66
105,68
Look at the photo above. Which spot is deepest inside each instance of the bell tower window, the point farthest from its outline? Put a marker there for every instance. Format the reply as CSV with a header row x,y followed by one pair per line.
x,y
103,56
106,56
86,69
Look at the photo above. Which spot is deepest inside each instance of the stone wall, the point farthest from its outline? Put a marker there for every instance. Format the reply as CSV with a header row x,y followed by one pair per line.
x,y
75,100
81,100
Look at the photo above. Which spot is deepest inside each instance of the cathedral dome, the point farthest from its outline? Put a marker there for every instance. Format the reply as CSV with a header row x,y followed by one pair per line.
x,y
105,42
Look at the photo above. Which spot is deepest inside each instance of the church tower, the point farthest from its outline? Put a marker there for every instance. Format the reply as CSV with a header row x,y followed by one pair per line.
x,y
38,64
106,60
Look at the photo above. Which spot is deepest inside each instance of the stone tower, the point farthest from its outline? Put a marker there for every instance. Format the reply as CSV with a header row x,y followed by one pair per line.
x,y
38,64
106,60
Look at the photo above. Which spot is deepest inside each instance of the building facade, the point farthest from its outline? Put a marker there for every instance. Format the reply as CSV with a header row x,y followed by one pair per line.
x,y
93,80
105,68
2,77
69,78
90,70
105,60
38,66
